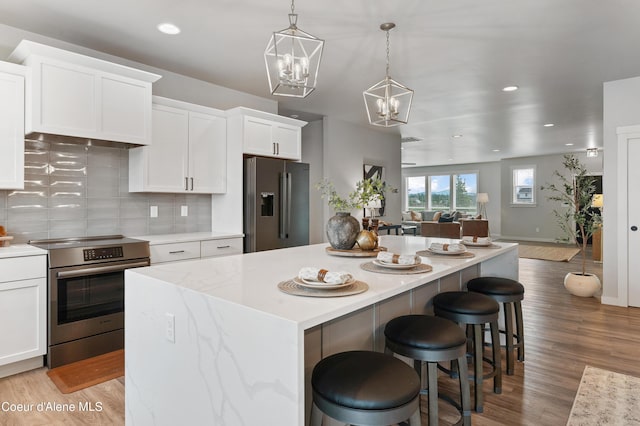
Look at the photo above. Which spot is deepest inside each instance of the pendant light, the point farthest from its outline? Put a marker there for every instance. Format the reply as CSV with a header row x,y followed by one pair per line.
x,y
293,58
388,102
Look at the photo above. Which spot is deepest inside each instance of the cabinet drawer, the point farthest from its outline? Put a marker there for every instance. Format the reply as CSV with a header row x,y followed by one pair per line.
x,y
175,251
224,247
23,268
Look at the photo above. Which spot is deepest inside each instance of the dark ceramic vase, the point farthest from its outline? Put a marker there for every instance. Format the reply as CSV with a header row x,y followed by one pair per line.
x,y
342,231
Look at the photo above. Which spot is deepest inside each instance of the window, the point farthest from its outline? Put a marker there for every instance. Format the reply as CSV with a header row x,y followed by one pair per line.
x,y
416,193
524,181
435,192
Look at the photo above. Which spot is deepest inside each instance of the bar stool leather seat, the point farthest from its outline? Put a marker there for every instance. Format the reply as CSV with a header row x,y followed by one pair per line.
x,y
366,388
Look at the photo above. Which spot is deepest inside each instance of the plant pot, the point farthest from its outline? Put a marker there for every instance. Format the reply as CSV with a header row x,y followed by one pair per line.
x,y
342,231
582,285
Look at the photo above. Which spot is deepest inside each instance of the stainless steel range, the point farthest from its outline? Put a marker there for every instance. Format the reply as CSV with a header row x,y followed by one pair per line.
x,y
86,294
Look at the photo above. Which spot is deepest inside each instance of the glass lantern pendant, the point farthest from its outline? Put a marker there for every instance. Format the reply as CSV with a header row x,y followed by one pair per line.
x,y
293,58
388,102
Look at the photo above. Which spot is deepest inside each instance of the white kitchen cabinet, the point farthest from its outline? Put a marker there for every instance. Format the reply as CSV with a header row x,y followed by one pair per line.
x,y
79,96
223,247
23,324
188,153
12,125
173,252
269,135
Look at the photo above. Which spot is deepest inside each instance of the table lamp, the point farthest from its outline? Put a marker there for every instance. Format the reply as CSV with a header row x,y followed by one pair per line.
x,y
482,199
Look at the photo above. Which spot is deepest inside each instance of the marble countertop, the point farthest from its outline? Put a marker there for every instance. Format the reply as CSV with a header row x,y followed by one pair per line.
x,y
191,236
251,279
20,250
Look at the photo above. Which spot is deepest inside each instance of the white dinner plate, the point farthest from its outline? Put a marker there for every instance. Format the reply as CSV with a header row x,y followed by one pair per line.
x,y
446,251
322,286
472,244
393,265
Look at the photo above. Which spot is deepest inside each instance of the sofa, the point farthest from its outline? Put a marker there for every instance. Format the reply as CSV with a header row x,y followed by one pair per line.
x,y
431,220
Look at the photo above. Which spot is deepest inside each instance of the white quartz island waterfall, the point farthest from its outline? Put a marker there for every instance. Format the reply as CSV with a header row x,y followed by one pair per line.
x,y
215,342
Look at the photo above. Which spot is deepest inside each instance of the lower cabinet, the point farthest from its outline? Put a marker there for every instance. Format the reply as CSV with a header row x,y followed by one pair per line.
x,y
189,250
23,323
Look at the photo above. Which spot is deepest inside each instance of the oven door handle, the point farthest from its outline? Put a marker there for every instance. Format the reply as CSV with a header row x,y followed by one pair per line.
x,y
100,270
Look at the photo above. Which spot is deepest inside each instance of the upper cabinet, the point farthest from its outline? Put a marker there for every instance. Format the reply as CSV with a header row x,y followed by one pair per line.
x,y
268,135
74,95
188,153
12,125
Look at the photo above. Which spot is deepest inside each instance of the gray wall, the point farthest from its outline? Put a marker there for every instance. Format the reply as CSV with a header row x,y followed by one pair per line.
x,y
312,148
347,147
621,108
529,223
488,181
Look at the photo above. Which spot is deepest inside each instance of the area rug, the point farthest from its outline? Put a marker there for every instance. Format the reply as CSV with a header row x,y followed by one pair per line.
x,y
606,398
558,254
88,372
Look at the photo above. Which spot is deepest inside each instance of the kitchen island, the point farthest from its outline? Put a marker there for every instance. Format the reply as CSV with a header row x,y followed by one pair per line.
x,y
214,341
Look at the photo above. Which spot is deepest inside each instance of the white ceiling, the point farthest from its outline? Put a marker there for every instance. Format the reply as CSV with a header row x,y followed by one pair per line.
x,y
456,54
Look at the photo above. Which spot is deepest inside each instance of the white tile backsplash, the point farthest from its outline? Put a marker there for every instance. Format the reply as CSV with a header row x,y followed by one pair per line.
x,y
76,190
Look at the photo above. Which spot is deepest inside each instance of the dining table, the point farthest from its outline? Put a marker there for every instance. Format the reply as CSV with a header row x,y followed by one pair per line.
x,y
225,341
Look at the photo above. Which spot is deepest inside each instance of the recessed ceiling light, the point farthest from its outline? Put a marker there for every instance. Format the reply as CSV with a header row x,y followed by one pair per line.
x,y
168,28
495,150
450,159
548,125
456,136
568,144
510,88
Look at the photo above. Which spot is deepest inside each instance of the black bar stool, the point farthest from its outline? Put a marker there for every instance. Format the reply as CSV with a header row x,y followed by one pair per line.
x,y
431,339
510,293
365,388
475,310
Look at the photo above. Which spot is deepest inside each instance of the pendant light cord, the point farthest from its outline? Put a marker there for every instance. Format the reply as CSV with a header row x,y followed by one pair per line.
x,y
387,53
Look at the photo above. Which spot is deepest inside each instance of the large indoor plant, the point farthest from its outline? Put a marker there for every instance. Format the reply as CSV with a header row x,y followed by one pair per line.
x,y
578,221
342,229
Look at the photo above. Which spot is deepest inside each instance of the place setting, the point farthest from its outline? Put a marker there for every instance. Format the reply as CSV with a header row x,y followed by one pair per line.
x,y
399,264
318,282
445,249
478,242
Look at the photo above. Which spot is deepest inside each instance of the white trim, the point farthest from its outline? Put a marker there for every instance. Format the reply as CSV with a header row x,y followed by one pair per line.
x,y
624,134
534,194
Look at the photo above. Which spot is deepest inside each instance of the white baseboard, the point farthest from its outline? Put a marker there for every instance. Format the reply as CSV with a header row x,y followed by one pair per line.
x,y
612,301
537,240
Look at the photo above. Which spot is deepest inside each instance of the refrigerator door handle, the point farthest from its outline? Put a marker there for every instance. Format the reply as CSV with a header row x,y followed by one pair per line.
x,y
288,216
284,196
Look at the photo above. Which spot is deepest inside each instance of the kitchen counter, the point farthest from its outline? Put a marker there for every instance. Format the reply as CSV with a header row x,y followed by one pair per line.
x,y
221,328
20,250
190,236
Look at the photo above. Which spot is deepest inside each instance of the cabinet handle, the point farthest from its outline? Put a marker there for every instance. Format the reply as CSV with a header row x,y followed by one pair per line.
x,y
273,148
278,148
192,184
186,183
223,247
176,252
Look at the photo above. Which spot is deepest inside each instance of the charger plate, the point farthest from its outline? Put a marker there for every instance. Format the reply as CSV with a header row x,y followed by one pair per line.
x,y
463,255
355,252
420,268
290,287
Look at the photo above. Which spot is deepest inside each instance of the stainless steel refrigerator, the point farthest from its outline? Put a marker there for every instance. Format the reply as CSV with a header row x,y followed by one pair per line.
x,y
276,204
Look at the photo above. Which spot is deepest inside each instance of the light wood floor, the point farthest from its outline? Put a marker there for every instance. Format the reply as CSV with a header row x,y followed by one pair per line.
x,y
563,334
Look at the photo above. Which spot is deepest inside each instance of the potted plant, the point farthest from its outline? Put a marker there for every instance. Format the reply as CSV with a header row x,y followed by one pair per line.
x,y
576,219
342,229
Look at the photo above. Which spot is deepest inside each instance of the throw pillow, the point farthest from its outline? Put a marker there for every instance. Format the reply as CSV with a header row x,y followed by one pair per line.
x,y
436,216
456,215
444,219
415,216
406,216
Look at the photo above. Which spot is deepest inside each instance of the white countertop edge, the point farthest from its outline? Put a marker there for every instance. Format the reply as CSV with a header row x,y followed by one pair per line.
x,y
377,291
20,250
184,237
